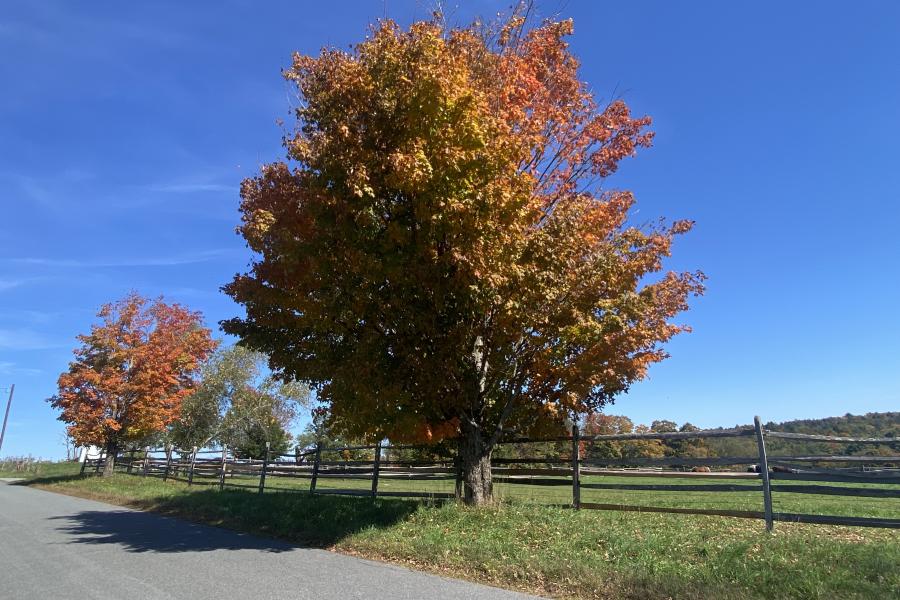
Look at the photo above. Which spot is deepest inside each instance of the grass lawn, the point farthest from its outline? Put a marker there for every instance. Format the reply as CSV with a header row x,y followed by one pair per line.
x,y
738,500
550,550
39,469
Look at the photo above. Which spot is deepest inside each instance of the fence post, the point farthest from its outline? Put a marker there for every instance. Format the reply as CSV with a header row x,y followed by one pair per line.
x,y
315,473
576,467
84,462
146,466
130,460
375,468
191,468
224,464
457,463
262,474
296,455
764,470
168,462
100,459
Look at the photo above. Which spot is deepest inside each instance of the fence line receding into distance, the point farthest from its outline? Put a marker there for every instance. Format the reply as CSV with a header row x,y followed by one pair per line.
x,y
221,469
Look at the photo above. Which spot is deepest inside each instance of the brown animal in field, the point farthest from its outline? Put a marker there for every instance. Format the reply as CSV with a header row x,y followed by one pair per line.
x,y
774,469
700,470
780,469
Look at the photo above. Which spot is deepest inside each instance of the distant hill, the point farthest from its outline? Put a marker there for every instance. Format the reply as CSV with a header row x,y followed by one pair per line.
x,y
886,424
869,425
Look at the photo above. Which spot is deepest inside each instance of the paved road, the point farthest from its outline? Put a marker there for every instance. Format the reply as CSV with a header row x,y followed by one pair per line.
x,y
54,546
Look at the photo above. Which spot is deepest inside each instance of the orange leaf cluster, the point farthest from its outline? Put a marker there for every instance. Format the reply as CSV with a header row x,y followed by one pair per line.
x,y
132,371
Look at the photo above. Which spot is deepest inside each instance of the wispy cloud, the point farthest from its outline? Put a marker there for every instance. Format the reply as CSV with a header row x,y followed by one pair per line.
x,y
50,192
27,339
10,368
190,292
31,189
190,188
53,26
8,284
39,317
153,261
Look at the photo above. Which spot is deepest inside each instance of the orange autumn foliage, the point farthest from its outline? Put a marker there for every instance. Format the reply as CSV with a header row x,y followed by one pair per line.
x,y
440,257
131,372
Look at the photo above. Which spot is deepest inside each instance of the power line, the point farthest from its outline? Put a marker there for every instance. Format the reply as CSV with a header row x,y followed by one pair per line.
x,y
12,389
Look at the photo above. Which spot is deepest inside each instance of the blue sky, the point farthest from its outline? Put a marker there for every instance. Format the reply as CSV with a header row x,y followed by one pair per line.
x,y
125,129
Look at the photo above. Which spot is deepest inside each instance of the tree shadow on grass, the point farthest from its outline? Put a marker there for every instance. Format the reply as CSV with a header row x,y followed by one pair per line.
x,y
294,519
50,479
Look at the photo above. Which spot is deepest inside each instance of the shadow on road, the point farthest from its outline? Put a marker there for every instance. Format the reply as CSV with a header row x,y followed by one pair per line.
x,y
47,480
297,519
147,532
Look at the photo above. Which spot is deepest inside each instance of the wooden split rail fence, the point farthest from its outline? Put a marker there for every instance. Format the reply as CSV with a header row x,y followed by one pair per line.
x,y
764,475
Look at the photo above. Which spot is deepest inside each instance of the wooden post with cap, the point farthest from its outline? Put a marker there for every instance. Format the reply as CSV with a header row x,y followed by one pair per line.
x,y
375,468
224,466
764,471
315,473
576,467
262,473
191,468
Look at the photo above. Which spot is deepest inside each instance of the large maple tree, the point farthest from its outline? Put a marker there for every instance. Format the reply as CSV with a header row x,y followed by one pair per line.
x,y
131,373
439,255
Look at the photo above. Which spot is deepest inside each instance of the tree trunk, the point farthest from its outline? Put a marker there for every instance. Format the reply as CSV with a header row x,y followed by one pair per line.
x,y
475,458
109,466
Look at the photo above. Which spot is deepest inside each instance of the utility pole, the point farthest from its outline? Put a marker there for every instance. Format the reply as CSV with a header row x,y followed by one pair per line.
x,y
6,415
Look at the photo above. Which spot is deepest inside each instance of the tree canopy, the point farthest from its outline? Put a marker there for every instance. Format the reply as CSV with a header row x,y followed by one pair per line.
x,y
240,404
439,256
131,373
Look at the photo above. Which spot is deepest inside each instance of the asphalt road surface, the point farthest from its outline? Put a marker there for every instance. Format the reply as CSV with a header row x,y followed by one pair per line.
x,y
58,547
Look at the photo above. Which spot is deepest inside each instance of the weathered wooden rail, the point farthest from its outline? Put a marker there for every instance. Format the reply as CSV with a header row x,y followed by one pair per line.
x,y
761,473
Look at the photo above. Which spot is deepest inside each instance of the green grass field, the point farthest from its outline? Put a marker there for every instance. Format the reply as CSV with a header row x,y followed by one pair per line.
x,y
525,544
38,469
749,500
729,500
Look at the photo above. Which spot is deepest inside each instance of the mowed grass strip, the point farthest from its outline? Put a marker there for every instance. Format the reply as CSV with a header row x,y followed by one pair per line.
x,y
750,499
544,549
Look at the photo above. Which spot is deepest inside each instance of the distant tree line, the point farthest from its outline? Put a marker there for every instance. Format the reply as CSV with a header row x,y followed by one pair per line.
x,y
869,425
860,426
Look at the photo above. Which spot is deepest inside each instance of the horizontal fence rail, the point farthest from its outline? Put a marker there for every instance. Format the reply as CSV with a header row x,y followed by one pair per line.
x,y
377,464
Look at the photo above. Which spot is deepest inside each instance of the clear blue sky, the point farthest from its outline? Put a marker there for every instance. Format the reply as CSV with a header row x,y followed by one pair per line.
x,y
125,129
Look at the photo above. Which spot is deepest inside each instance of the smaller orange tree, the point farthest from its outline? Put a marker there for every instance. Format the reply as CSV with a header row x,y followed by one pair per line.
x,y
131,373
